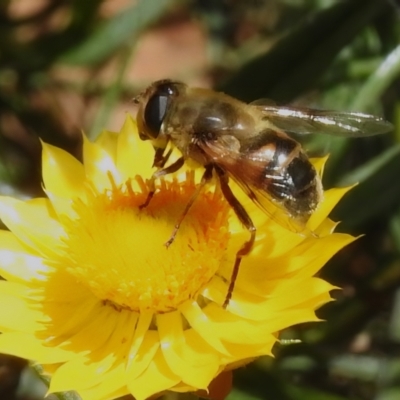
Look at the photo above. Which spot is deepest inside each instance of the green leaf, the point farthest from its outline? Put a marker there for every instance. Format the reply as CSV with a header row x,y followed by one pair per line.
x,y
376,195
297,61
236,394
394,325
395,232
370,169
111,96
363,367
302,393
378,82
124,28
389,394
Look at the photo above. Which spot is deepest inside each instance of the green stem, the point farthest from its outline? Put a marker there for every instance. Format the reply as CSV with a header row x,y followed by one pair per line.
x,y
378,82
111,96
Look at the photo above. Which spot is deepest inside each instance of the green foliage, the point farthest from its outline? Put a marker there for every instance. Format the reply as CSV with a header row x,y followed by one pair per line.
x,y
304,54
332,54
123,29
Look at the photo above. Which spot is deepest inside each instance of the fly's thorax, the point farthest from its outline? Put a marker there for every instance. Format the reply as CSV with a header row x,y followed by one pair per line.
x,y
203,115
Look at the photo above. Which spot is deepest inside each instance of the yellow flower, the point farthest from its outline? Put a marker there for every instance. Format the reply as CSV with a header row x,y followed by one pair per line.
x,y
93,295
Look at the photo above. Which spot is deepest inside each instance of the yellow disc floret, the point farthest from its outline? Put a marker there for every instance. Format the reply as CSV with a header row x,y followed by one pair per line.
x,y
118,248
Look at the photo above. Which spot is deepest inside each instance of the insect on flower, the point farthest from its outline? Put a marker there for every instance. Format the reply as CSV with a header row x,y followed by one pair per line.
x,y
245,142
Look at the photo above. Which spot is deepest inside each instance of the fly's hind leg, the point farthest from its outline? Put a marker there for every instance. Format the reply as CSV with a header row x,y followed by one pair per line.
x,y
207,175
245,219
175,166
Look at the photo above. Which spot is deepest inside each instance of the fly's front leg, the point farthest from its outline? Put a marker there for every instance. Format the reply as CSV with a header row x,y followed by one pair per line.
x,y
159,158
175,166
245,219
207,175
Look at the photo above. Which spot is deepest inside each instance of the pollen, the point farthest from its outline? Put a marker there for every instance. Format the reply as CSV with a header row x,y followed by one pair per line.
x,y
118,249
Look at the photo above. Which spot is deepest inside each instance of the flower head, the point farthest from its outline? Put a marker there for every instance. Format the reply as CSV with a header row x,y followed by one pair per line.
x,y
94,295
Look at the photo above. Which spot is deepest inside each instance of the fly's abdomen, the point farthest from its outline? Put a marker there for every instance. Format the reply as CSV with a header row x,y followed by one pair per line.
x,y
304,187
284,172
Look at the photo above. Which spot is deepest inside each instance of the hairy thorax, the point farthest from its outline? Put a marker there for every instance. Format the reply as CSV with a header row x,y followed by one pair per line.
x,y
200,118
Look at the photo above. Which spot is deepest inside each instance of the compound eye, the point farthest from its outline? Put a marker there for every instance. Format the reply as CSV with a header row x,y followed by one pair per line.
x,y
154,113
156,109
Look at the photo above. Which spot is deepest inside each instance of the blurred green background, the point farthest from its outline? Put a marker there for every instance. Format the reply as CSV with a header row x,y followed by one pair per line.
x,y
72,65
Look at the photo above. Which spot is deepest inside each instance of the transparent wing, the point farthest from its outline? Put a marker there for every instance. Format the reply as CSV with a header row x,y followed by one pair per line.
x,y
245,171
306,121
272,208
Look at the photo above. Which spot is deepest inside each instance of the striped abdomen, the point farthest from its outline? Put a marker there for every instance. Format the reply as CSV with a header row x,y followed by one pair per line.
x,y
276,164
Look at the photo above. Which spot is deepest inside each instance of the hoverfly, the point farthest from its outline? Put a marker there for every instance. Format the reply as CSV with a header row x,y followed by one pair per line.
x,y
245,142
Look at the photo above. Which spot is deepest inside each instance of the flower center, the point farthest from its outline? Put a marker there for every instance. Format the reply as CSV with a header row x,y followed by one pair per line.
x,y
118,249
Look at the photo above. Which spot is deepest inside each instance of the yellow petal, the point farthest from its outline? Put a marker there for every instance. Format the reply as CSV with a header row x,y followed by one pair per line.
x,y
15,315
142,327
200,322
155,379
104,368
144,356
106,353
33,222
62,205
108,141
246,305
315,256
102,382
69,375
231,329
319,164
331,198
217,289
62,288
97,332
288,318
272,240
195,366
278,300
257,276
63,175
96,393
134,156
326,228
111,387
75,315
243,353
99,165
317,301
25,345
16,263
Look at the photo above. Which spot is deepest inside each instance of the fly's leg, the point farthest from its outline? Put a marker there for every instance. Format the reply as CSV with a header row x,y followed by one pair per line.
x,y
175,166
245,219
207,175
159,158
